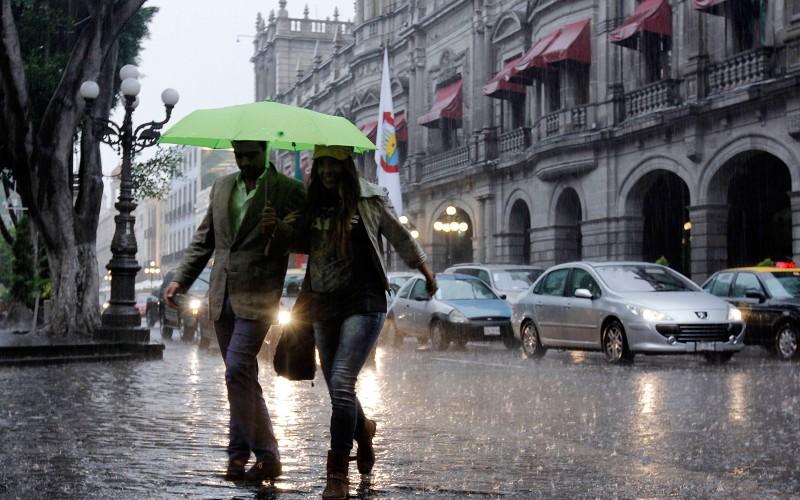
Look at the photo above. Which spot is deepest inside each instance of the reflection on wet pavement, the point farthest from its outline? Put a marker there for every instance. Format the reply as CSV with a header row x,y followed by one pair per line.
x,y
480,422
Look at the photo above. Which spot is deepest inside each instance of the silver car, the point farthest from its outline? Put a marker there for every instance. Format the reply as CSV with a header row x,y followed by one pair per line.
x,y
624,308
463,309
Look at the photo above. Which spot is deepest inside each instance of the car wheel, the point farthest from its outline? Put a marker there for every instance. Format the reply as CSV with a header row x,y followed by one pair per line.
x,y
395,336
786,341
718,358
439,340
615,344
532,348
187,333
152,319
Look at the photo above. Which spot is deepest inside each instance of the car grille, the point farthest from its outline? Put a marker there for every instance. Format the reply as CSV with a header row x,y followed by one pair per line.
x,y
700,332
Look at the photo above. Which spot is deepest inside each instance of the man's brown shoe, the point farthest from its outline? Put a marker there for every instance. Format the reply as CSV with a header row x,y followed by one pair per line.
x,y
263,470
235,470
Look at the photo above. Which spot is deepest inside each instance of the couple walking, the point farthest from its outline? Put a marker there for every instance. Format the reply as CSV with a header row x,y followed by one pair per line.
x,y
340,223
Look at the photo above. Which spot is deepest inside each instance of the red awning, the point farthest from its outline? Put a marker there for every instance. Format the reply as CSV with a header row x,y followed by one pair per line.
x,y
650,16
446,104
370,129
401,126
573,44
500,86
533,58
710,6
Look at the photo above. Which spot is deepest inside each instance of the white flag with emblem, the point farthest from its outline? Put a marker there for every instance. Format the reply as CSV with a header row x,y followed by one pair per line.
x,y
387,154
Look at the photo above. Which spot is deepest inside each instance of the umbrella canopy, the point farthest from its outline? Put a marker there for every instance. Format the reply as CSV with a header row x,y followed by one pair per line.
x,y
282,126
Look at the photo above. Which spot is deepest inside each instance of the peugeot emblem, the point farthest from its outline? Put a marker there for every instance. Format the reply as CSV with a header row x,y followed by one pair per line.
x,y
701,314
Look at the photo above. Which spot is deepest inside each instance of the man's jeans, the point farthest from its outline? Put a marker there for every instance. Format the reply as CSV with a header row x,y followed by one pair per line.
x,y
250,425
344,345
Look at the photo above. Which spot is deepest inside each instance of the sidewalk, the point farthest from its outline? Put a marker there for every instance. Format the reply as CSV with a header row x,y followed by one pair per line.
x,y
19,349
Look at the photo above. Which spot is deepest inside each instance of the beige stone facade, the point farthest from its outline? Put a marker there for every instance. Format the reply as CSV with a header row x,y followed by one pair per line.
x,y
608,159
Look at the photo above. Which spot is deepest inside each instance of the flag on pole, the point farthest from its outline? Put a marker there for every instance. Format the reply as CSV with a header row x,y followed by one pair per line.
x,y
387,154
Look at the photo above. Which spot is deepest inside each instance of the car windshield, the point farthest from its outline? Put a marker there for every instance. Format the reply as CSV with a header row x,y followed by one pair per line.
x,y
200,285
464,290
784,285
515,279
642,278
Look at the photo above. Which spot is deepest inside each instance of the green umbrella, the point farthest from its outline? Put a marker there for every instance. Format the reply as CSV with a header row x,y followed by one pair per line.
x,y
282,126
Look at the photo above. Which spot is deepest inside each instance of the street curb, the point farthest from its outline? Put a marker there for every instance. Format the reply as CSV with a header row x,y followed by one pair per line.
x,y
47,354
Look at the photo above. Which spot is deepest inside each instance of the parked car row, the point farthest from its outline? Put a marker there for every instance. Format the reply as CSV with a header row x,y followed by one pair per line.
x,y
618,308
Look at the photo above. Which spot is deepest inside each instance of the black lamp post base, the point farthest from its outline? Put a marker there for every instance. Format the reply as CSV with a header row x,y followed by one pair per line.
x,y
112,334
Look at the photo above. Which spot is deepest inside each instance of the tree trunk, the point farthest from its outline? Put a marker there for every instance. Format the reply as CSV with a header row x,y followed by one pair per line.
x,y
75,305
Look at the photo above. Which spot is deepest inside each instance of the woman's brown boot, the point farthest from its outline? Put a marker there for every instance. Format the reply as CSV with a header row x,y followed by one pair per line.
x,y
365,455
338,485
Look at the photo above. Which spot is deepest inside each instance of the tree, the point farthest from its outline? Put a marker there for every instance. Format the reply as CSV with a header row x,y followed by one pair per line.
x,y
152,179
39,124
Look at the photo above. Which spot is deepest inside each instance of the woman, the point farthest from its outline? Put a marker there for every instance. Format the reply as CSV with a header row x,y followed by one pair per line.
x,y
347,218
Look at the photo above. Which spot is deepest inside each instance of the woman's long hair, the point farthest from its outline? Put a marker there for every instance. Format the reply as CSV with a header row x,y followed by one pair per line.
x,y
344,203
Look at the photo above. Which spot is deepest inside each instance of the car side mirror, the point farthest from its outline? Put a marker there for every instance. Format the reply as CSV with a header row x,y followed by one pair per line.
x,y
503,296
755,295
583,293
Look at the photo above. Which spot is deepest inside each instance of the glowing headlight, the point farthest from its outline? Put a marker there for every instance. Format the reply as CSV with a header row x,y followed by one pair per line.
x,y
734,314
284,317
194,304
648,314
457,316
105,305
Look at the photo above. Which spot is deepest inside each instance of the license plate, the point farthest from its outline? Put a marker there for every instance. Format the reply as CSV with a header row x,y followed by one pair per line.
x,y
705,347
491,331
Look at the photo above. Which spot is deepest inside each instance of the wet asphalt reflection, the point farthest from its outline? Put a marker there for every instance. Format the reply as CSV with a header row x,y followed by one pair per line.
x,y
482,422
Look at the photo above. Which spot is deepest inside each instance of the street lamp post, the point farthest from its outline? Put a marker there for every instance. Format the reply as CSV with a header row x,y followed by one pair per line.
x,y
121,321
450,225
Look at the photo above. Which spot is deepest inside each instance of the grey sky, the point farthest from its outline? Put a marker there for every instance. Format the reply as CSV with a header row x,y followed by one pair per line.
x,y
193,48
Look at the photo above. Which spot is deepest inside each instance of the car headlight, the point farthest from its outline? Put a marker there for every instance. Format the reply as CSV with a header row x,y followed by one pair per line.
x,y
105,305
284,317
457,316
646,314
734,314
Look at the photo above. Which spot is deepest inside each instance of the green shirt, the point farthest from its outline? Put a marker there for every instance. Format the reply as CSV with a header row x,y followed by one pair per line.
x,y
240,201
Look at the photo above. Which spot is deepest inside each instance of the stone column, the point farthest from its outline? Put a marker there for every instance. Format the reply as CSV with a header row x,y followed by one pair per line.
x,y
543,246
709,239
486,250
794,200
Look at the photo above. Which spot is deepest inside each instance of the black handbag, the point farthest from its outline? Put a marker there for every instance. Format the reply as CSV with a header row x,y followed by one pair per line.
x,y
295,357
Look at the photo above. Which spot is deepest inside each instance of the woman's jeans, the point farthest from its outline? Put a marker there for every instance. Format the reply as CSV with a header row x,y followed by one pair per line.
x,y
344,345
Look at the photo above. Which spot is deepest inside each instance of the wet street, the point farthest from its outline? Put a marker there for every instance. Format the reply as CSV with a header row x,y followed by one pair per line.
x,y
477,423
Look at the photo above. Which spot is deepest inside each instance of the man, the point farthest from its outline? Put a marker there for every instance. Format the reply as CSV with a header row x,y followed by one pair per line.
x,y
249,237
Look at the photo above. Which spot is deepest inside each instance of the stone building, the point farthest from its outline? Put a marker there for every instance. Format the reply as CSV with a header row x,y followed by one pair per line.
x,y
570,129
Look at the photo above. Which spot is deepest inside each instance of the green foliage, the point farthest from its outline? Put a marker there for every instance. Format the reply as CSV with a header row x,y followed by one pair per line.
x,y
46,30
28,276
5,264
766,263
152,178
663,261
40,26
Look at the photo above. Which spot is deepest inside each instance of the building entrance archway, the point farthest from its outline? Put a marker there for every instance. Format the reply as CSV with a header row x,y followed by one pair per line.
x,y
568,239
662,199
452,238
520,229
755,185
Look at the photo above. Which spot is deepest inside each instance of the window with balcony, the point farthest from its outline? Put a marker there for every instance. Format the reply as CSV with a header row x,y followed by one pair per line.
x,y
745,24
